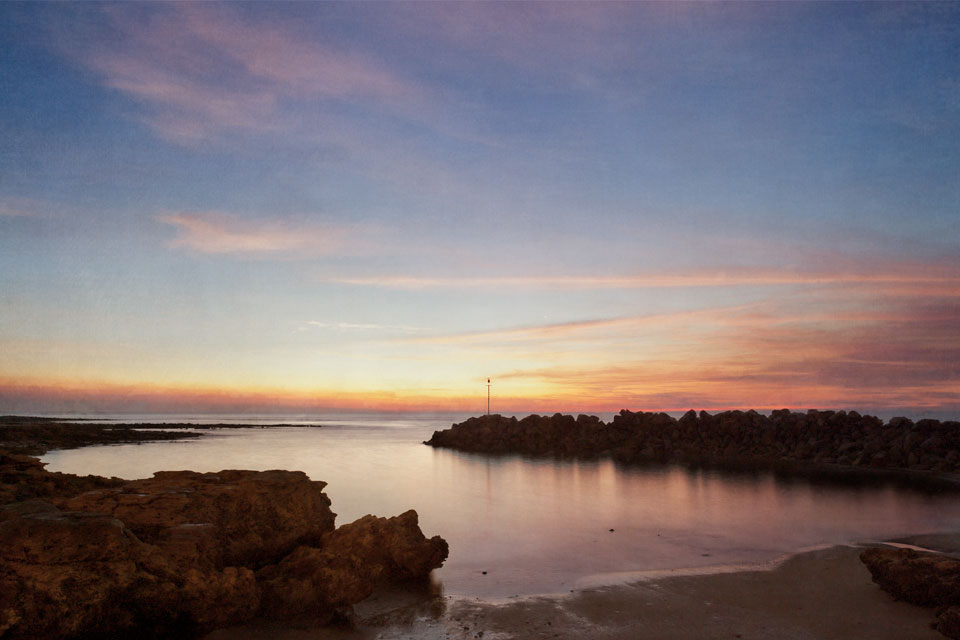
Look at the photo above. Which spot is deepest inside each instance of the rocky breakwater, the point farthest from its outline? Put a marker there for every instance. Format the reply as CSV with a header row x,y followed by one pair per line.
x,y
921,578
784,439
182,553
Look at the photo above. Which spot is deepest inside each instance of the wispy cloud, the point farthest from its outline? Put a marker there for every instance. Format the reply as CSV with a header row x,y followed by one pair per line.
x,y
712,278
203,69
218,232
361,326
527,35
905,355
290,62
19,208
603,328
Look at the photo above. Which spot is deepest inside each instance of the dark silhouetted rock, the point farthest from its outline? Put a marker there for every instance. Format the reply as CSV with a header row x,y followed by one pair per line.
x,y
785,440
948,622
35,436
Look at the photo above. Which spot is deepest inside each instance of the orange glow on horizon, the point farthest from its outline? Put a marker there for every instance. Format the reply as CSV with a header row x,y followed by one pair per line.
x,y
73,398
816,348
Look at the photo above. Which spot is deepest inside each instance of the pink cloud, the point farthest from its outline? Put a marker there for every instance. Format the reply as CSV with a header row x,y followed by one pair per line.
x,y
280,55
184,108
901,275
526,35
21,208
601,330
905,355
217,232
201,69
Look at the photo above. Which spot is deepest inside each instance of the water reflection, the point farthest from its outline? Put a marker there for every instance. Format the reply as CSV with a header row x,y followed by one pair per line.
x,y
543,526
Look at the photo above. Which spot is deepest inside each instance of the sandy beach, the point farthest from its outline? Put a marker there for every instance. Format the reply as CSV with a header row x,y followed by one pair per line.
x,y
822,594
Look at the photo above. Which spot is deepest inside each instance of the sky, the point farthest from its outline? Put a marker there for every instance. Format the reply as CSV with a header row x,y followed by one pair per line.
x,y
296,207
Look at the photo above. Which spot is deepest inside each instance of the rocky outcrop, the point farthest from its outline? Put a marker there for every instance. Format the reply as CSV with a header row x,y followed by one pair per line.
x,y
747,438
37,435
925,579
313,583
23,477
182,553
239,518
75,574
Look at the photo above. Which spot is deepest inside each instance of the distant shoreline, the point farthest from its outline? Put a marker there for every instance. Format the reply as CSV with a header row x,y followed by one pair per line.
x,y
36,435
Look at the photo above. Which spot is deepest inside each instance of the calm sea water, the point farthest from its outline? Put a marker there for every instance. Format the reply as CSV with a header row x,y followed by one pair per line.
x,y
536,526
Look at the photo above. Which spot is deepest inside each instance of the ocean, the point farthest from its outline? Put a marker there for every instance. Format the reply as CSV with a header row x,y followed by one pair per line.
x,y
519,526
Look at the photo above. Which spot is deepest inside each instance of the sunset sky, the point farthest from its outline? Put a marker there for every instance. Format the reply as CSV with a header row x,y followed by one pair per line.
x,y
291,207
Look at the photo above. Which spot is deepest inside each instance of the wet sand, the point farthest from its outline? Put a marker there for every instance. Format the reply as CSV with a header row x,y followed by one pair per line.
x,y
823,594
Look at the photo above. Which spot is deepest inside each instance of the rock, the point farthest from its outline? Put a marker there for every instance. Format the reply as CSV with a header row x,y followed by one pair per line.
x,y
785,440
229,518
948,622
177,554
395,544
69,573
925,579
901,422
312,584
846,446
35,436
52,561
23,477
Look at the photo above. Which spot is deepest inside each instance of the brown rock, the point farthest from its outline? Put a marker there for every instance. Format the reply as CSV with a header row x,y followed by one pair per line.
x,y
60,572
312,584
174,555
229,518
395,544
948,622
925,579
23,477
70,573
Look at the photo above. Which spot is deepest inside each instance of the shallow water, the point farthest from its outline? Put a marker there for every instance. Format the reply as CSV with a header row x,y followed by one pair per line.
x,y
539,526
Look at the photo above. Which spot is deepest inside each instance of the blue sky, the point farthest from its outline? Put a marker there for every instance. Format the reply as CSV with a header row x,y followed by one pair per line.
x,y
379,205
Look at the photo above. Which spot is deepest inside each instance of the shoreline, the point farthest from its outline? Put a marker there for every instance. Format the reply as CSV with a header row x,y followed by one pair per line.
x,y
36,436
746,601
940,543
751,603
